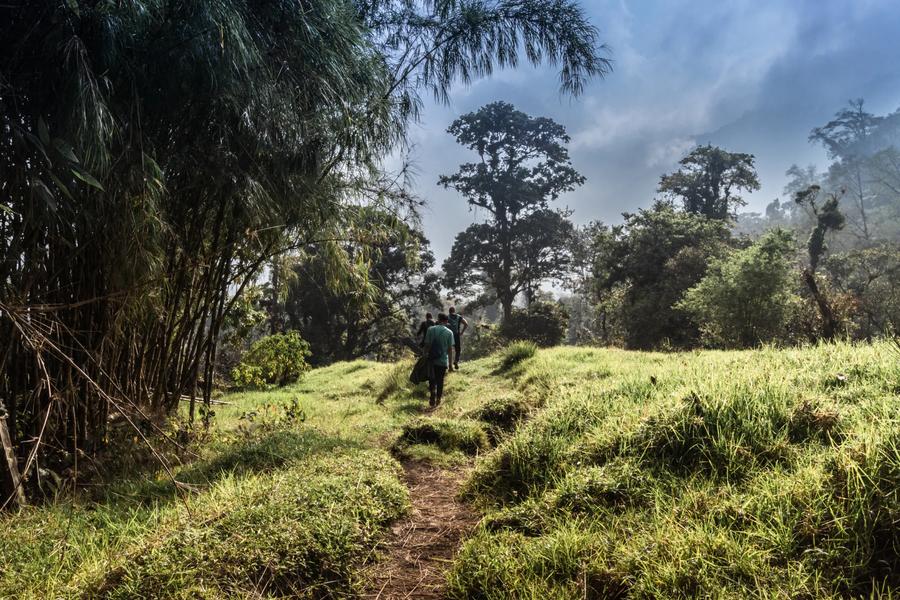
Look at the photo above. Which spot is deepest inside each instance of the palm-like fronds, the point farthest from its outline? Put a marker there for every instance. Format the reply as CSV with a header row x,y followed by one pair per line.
x,y
154,154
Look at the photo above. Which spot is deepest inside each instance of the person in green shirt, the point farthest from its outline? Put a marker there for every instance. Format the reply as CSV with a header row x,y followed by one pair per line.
x,y
458,325
438,348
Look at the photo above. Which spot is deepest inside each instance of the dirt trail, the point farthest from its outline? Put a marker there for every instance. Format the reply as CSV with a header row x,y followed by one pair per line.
x,y
420,548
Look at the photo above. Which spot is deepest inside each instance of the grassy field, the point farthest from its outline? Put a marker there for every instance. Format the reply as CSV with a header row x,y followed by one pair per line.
x,y
289,493
600,473
764,474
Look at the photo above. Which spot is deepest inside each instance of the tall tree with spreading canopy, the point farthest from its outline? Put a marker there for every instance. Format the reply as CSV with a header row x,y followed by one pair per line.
x,y
522,166
154,155
710,180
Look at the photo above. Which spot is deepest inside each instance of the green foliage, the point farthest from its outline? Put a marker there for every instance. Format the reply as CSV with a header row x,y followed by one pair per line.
x,y
447,434
544,323
746,298
523,166
643,268
709,180
515,353
483,339
829,218
273,360
157,155
871,278
368,312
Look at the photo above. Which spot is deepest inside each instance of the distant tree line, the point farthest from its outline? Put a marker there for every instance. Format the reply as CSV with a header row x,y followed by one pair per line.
x,y
693,271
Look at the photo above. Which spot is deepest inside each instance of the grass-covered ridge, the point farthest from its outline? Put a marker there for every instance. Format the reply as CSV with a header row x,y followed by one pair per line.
x,y
290,494
769,473
600,473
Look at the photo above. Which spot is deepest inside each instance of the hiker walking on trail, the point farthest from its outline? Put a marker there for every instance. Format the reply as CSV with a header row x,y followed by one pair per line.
x,y
458,326
438,348
424,327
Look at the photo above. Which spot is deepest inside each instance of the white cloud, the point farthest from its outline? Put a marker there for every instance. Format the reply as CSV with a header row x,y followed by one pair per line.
x,y
664,153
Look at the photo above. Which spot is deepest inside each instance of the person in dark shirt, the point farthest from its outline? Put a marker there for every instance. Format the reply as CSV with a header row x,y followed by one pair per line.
x,y
458,325
423,328
439,351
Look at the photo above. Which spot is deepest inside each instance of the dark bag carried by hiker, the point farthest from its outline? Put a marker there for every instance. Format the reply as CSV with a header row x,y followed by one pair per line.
x,y
420,371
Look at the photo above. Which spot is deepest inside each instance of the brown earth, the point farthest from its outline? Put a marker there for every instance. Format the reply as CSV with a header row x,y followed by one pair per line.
x,y
420,548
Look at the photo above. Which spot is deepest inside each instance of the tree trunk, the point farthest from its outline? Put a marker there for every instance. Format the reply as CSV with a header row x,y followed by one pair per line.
x,y
506,303
830,324
860,193
9,469
504,293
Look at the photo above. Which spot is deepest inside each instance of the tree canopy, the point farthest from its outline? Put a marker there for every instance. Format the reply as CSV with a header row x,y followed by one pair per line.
x,y
523,165
155,154
709,181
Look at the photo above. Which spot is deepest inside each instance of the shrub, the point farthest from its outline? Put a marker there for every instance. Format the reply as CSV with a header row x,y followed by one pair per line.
x,y
516,353
746,297
484,340
544,323
447,434
274,360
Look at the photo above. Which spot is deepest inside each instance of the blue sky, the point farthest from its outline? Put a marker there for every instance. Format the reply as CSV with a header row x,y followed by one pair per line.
x,y
749,75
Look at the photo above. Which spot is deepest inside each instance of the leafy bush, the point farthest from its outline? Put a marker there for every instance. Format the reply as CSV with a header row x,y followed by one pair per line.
x,y
516,353
544,323
746,297
484,340
274,360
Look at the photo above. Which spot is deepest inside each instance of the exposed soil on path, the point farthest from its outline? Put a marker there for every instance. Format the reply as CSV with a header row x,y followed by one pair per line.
x,y
420,548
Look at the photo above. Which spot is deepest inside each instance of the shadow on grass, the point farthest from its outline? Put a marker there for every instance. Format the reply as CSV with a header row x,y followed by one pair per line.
x,y
257,453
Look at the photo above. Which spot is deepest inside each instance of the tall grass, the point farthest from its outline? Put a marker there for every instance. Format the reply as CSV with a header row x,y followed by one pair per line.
x,y
768,473
515,353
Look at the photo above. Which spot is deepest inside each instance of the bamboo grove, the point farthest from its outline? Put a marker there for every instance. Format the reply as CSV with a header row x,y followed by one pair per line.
x,y
154,154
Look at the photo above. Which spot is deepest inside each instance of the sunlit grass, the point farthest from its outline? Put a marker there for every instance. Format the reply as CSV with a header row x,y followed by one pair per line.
x,y
601,473
769,473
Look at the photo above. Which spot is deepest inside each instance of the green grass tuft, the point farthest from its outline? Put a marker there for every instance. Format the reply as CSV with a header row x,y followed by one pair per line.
x,y
766,473
449,435
516,353
298,533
